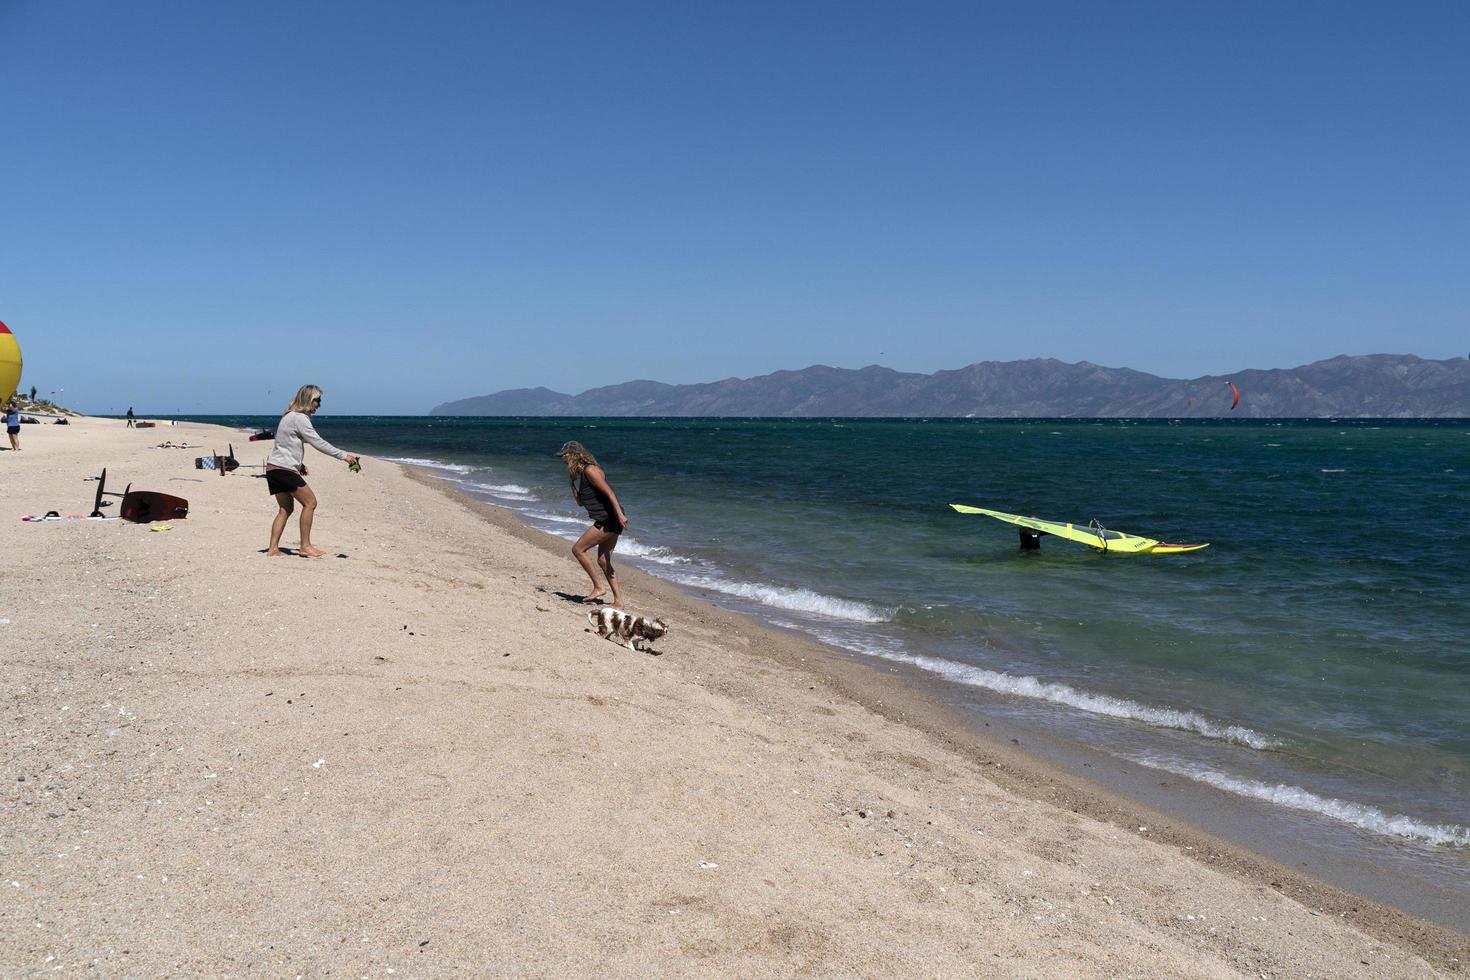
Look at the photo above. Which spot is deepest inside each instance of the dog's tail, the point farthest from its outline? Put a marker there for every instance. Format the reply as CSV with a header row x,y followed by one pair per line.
x,y
592,617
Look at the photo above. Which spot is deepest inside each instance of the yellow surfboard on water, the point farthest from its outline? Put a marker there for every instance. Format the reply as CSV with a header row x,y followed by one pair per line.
x,y
9,363
1094,536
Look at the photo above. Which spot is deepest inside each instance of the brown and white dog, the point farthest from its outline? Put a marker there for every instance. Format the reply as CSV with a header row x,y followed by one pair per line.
x,y
627,629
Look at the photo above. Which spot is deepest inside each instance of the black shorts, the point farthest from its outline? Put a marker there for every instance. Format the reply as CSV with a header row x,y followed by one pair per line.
x,y
13,430
608,524
283,481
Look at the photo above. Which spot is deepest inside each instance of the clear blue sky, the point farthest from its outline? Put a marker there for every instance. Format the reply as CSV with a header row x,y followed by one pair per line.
x,y
204,205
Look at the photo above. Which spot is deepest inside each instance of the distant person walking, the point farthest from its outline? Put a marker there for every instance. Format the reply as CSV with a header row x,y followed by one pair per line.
x,y
12,425
285,468
591,490
130,416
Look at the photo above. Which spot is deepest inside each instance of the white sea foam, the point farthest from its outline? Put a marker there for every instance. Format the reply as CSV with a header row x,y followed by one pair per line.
x,y
557,518
627,547
1294,797
796,600
1098,704
635,549
431,464
507,491
501,487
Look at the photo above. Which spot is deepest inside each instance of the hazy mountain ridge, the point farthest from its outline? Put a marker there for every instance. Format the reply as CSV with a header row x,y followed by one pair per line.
x,y
1367,386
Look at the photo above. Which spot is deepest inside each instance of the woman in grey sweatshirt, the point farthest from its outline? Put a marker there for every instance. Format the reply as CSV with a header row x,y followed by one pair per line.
x,y
285,468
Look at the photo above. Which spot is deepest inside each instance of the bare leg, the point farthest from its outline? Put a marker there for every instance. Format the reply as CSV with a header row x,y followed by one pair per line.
x,y
591,538
286,505
307,499
604,558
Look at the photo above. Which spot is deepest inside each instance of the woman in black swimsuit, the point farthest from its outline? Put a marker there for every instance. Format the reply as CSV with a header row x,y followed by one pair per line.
x,y
591,490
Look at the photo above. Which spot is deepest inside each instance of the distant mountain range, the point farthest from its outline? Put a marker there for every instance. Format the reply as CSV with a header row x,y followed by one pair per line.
x,y
1370,386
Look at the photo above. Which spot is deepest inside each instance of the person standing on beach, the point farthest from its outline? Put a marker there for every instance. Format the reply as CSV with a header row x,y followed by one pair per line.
x,y
285,468
12,425
130,416
591,490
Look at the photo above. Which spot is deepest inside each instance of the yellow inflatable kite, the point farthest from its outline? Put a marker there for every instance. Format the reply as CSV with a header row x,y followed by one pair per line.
x,y
9,363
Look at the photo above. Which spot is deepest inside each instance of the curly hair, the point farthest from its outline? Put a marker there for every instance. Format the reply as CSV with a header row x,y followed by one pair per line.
x,y
579,461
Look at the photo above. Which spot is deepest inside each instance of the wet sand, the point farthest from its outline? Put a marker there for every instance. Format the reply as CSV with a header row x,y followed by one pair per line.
x,y
415,758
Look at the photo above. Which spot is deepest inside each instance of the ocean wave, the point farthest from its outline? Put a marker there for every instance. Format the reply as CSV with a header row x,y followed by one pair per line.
x,y
796,600
627,547
630,548
557,518
431,464
1057,693
1359,815
502,487
508,491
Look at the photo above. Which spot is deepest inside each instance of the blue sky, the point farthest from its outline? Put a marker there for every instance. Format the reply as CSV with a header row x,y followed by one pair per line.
x,y
203,206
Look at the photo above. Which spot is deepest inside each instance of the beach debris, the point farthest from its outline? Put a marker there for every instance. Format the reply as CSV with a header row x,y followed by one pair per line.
x,y
318,763
708,865
161,527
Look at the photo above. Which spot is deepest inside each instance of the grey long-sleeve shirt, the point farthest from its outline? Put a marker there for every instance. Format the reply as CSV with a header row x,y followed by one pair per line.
x,y
292,435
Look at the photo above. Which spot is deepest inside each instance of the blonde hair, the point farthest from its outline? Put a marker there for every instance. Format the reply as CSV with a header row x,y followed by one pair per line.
x,y
303,399
581,459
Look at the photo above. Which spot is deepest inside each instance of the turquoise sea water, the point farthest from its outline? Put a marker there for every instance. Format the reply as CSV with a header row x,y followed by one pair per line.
x,y
1315,659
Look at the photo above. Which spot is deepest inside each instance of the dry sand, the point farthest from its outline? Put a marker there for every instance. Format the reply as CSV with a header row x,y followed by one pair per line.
x,y
413,760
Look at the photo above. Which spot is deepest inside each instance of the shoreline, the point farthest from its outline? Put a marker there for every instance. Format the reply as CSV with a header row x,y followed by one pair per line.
x,y
418,758
1019,771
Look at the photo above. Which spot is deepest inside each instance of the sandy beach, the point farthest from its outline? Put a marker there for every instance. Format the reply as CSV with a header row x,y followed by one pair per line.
x,y
412,758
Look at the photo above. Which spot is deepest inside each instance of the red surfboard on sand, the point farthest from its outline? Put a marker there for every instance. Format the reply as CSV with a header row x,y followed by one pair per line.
x,y
142,506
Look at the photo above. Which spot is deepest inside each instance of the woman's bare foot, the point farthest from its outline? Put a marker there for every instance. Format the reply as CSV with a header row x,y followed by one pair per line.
x,y
307,551
275,553
594,595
